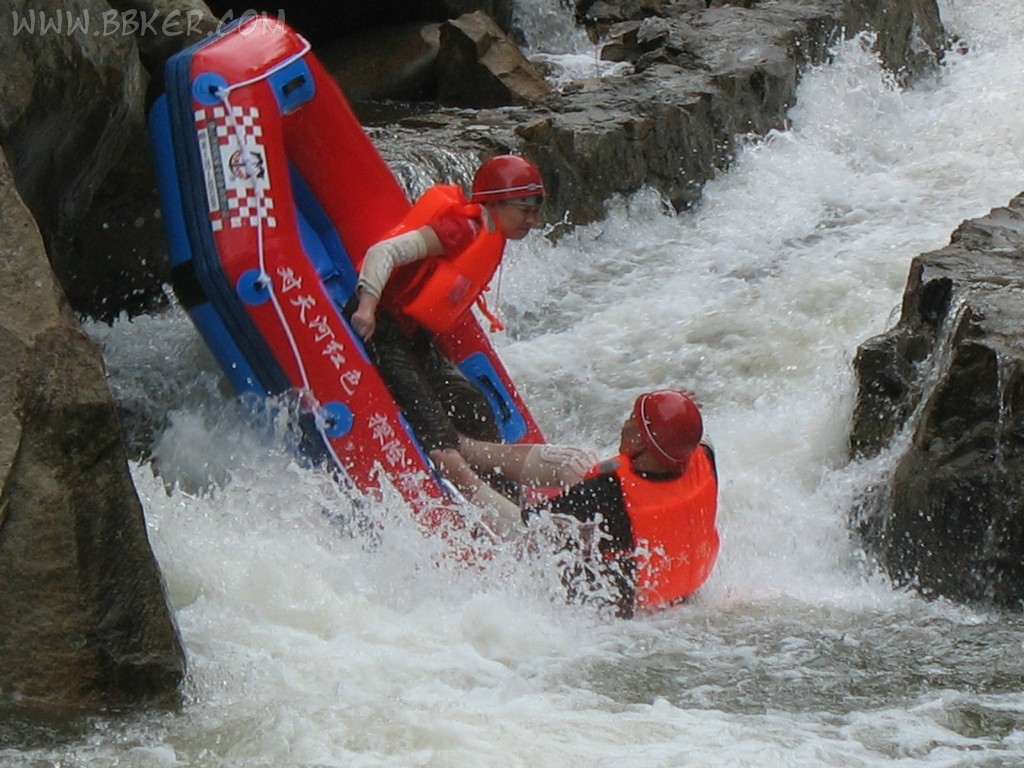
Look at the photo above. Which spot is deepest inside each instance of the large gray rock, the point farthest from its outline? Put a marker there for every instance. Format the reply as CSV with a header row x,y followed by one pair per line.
x,y
86,622
944,390
704,78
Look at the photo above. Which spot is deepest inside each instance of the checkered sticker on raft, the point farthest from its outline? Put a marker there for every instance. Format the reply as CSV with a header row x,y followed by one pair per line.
x,y
235,167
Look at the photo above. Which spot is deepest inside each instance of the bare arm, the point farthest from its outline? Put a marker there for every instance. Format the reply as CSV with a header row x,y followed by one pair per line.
x,y
530,465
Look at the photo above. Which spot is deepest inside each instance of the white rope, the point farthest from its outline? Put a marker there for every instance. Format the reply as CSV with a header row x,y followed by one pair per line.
x,y
306,47
224,94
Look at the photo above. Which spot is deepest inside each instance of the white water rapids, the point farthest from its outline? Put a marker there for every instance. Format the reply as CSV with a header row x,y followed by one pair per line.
x,y
308,648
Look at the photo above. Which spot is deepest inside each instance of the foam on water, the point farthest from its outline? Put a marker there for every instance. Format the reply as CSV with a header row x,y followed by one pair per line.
x,y
313,642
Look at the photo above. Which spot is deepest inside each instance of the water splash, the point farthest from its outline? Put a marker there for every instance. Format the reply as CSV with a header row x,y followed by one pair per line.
x,y
549,26
307,647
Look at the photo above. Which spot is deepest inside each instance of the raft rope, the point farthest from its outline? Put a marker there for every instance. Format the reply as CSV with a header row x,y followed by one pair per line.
x,y
224,94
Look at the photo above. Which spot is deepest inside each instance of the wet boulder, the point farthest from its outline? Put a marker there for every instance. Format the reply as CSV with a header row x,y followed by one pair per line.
x,y
86,620
943,393
72,124
479,66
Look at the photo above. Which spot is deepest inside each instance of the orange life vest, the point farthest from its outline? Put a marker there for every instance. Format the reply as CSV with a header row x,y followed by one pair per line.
x,y
675,542
435,291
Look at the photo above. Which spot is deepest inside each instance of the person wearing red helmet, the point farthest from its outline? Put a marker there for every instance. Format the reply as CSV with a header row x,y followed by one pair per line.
x,y
510,187
506,200
655,504
662,432
419,282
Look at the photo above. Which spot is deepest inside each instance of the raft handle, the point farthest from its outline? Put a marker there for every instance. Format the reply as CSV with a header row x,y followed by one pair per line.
x,y
496,397
293,85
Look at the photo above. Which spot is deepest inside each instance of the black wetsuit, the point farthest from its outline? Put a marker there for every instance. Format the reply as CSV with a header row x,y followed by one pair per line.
x,y
438,400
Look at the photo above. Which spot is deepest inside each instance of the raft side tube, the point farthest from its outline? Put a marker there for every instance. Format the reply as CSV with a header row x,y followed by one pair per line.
x,y
226,328
186,286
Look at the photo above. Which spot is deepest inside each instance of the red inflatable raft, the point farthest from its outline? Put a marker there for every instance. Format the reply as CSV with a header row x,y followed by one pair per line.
x,y
271,193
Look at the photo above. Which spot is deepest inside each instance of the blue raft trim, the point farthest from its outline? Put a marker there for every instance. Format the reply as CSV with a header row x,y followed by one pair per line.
x,y
479,369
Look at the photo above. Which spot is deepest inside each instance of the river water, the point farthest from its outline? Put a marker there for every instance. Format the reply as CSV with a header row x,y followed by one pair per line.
x,y
309,648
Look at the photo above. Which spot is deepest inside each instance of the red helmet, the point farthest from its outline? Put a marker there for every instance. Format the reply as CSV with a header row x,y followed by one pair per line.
x,y
670,425
506,177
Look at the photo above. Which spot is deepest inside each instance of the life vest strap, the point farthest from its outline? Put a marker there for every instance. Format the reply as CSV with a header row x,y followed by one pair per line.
x,y
492,318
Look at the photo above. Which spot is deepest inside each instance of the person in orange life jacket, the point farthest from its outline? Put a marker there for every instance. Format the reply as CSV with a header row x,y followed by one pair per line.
x,y
663,455
445,410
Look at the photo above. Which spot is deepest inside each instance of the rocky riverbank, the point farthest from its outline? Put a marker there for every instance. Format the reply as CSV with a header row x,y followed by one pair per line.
x,y
944,391
82,234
